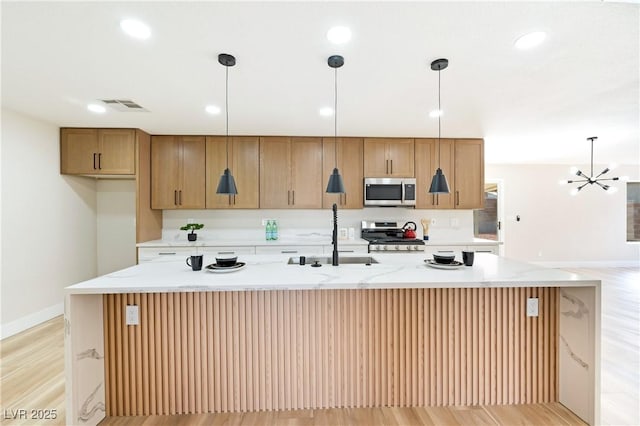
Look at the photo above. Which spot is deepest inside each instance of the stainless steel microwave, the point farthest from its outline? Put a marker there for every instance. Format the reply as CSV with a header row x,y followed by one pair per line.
x,y
390,192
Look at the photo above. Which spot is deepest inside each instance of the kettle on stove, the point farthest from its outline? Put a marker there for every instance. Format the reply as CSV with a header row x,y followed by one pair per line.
x,y
409,230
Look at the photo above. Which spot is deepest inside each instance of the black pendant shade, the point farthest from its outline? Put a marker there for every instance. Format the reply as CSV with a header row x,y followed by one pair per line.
x,y
439,183
227,184
335,185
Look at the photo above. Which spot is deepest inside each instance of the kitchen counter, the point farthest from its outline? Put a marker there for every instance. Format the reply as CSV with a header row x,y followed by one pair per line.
x,y
160,339
271,272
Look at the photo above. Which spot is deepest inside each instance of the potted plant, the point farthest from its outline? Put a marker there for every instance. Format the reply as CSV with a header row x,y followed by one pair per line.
x,y
192,227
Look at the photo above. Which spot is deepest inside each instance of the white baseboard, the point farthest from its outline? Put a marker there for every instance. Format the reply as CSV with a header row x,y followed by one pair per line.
x,y
26,322
591,264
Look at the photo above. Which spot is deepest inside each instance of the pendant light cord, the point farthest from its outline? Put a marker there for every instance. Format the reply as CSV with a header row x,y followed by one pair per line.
x,y
591,175
439,116
335,117
226,109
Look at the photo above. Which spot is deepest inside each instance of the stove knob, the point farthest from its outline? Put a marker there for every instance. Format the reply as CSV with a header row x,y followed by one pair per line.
x,y
386,248
397,247
416,247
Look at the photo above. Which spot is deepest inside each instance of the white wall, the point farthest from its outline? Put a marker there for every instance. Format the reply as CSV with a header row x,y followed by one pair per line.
x,y
116,224
557,228
48,224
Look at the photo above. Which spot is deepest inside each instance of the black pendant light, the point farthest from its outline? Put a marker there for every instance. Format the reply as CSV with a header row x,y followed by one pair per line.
x,y
439,182
335,185
227,184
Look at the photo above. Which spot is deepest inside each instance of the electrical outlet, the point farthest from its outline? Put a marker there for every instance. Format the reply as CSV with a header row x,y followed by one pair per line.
x,y
264,222
455,223
433,222
132,315
532,307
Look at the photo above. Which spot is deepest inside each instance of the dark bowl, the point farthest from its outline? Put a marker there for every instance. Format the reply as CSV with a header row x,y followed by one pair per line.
x,y
444,259
226,261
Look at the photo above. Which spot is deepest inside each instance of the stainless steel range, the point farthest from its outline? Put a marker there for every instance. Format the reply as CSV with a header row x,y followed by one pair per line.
x,y
387,236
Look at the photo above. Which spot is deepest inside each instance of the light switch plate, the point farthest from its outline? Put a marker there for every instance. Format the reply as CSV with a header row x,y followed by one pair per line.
x,y
132,315
532,307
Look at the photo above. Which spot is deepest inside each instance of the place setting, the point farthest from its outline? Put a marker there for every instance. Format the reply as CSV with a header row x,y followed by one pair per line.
x,y
446,262
223,265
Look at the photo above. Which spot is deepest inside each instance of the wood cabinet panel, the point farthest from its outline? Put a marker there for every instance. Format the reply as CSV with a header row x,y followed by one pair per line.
x,y
290,172
275,174
469,173
306,173
97,151
244,162
116,151
178,172
351,165
388,157
192,191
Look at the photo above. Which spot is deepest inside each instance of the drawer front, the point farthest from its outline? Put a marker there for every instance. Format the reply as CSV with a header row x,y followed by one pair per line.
x,y
303,250
484,249
228,251
346,249
147,254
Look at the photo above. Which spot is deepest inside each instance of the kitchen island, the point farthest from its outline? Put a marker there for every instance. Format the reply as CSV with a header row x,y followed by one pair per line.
x,y
276,336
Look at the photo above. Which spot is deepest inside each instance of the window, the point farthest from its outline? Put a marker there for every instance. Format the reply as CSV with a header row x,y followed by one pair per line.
x,y
633,211
485,221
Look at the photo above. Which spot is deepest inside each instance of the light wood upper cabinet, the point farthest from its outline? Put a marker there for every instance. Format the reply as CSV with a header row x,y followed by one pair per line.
x,y
244,163
388,157
97,151
426,163
462,162
469,173
290,172
350,163
178,172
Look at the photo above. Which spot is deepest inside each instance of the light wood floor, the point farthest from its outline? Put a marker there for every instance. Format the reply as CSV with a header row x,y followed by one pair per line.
x,y
32,377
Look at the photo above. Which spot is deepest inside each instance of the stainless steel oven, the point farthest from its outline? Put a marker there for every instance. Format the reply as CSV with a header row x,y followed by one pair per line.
x,y
390,192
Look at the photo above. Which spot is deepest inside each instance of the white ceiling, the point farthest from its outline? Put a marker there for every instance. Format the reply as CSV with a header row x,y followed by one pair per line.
x,y
535,106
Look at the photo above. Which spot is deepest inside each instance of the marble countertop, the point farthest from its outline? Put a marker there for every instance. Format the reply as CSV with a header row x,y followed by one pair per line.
x,y
240,242
271,272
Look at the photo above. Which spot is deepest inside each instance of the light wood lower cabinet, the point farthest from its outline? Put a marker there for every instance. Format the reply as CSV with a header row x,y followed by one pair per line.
x,y
290,173
97,152
350,158
198,352
244,163
178,172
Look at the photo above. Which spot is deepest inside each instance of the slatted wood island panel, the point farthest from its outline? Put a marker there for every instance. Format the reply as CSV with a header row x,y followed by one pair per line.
x,y
234,351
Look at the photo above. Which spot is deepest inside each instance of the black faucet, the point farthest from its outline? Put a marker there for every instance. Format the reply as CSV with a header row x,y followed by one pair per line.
x,y
334,238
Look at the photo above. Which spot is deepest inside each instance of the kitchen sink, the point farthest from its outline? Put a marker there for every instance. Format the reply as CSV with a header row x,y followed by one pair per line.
x,y
346,260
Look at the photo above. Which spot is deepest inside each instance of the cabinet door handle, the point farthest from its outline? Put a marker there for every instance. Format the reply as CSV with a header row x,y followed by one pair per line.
x,y
288,251
293,197
167,253
386,167
457,198
288,198
444,251
100,160
484,251
180,197
391,166
94,161
226,252
175,197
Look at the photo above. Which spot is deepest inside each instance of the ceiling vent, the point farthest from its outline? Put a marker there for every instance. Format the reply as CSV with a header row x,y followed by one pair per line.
x,y
124,105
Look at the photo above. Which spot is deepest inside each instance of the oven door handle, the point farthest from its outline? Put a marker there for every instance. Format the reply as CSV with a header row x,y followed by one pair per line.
x,y
402,200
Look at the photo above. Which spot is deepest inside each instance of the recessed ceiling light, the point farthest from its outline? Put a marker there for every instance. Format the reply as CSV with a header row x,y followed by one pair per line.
x,y
135,28
326,111
96,108
339,35
212,109
435,113
530,40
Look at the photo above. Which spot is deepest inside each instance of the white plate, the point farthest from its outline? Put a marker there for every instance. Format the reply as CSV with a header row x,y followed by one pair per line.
x,y
453,265
222,269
